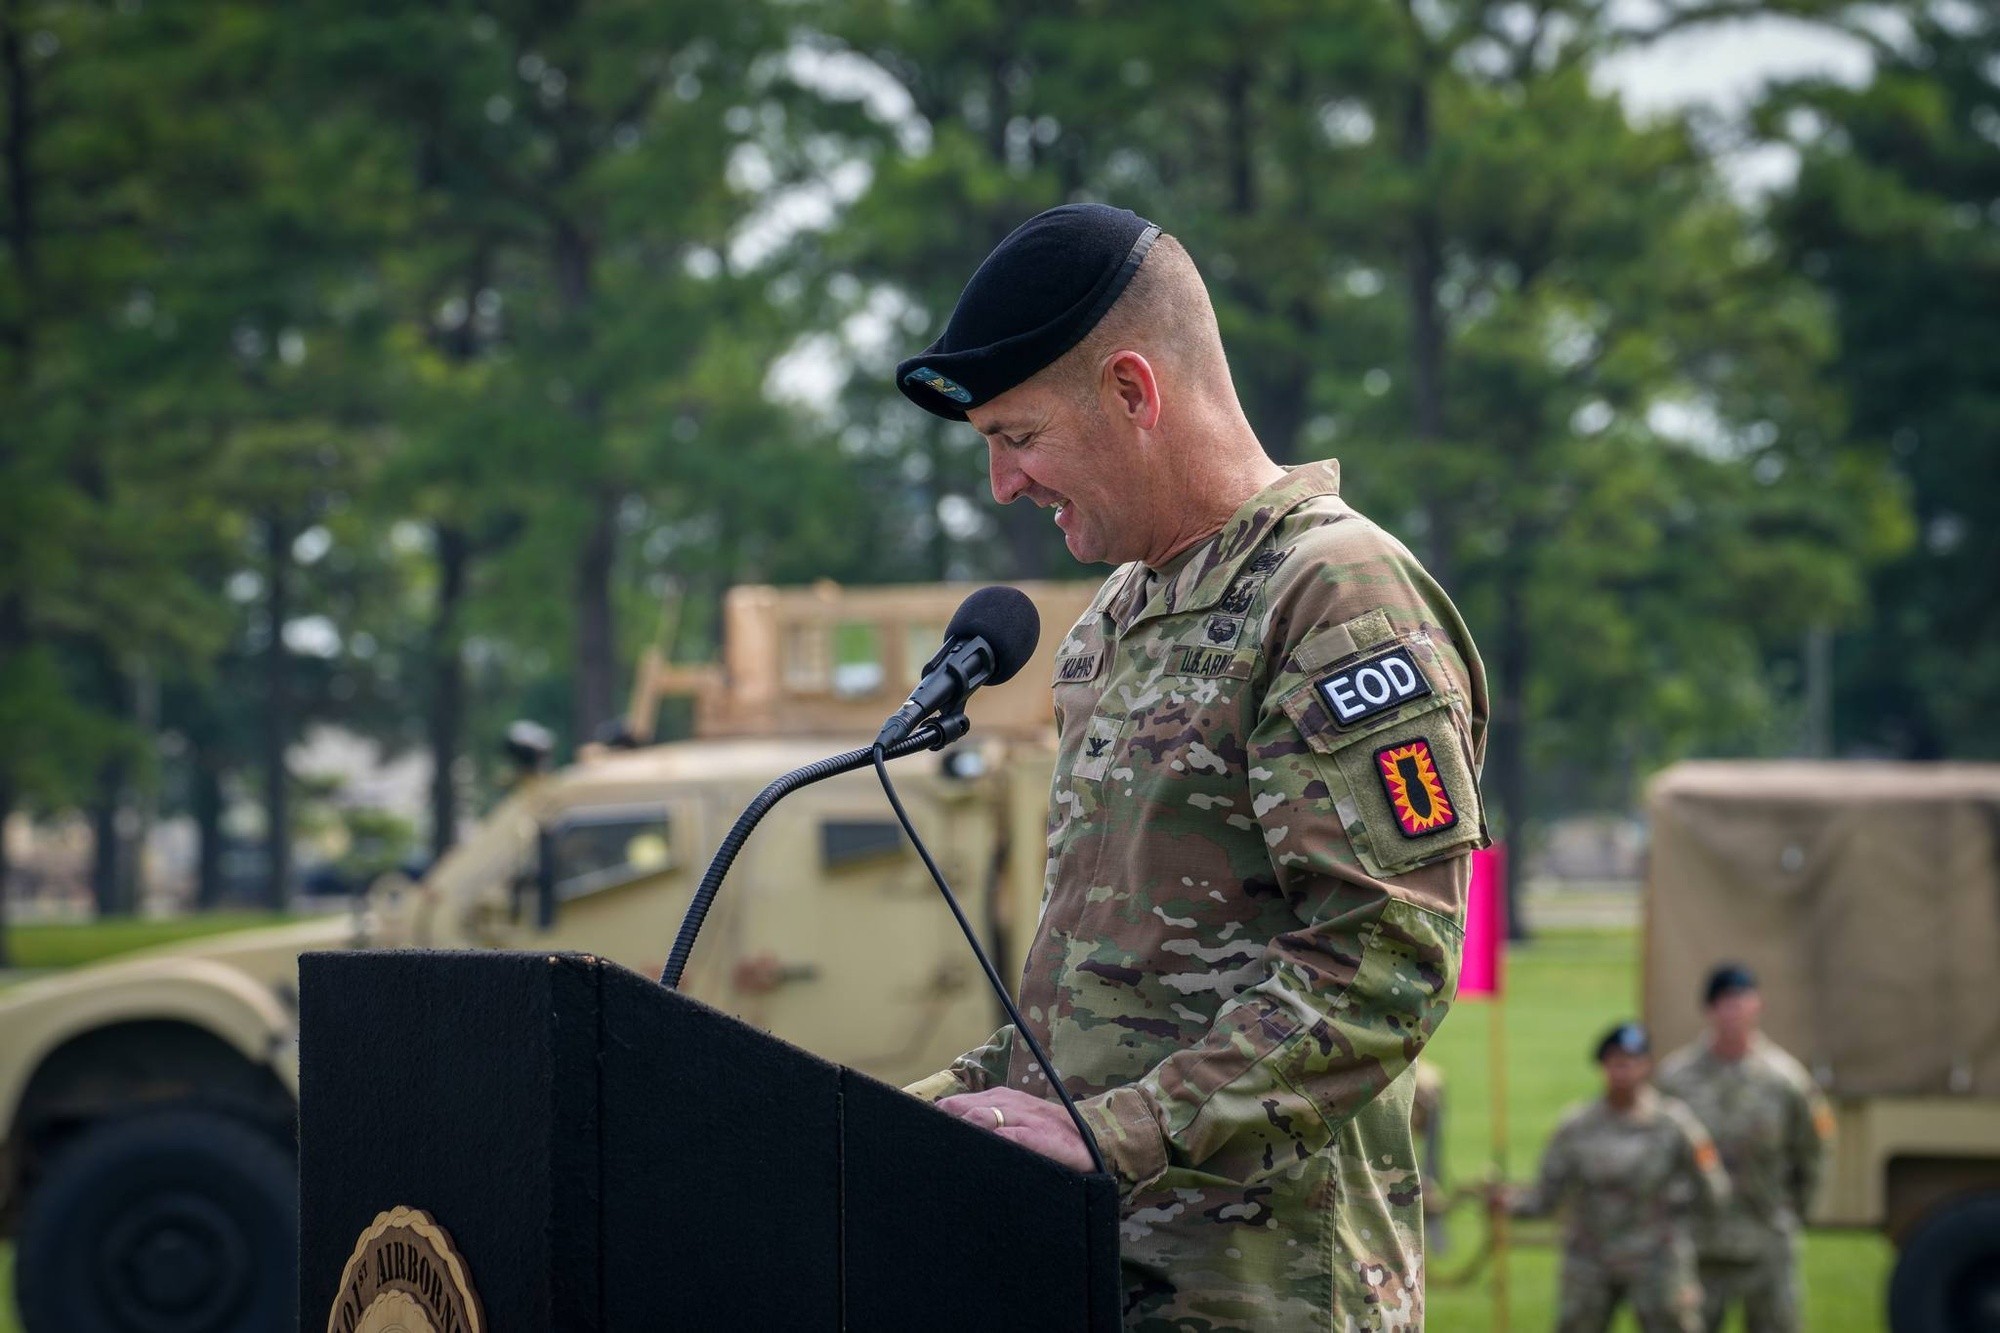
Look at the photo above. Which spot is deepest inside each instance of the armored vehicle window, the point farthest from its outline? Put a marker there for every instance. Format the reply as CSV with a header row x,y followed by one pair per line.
x,y
599,849
846,842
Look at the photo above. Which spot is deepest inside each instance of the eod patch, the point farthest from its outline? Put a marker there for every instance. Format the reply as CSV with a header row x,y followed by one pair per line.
x,y
1417,795
1360,690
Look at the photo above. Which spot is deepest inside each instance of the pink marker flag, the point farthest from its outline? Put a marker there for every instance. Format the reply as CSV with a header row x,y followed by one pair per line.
x,y
1485,924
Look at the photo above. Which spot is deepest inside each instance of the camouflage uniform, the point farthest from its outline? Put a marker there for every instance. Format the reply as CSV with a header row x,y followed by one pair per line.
x,y
1252,920
1771,1125
1629,1184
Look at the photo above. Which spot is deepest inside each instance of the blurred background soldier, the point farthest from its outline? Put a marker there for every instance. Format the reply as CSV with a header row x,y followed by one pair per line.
x,y
1771,1125
1629,1170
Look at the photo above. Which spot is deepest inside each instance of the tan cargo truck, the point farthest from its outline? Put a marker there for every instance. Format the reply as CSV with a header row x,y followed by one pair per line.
x,y
147,1166
1866,897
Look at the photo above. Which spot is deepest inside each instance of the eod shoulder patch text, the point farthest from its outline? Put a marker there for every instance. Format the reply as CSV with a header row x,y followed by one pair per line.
x,y
1359,691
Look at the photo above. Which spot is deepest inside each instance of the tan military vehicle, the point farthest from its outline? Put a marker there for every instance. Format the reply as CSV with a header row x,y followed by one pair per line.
x,y
146,1169
1866,897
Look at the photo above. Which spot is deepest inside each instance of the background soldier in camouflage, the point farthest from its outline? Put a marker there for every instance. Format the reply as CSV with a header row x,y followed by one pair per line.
x,y
1629,1171
1772,1126
1271,720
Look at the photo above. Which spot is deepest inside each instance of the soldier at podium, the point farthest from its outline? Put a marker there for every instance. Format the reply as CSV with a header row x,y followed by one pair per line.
x,y
1271,722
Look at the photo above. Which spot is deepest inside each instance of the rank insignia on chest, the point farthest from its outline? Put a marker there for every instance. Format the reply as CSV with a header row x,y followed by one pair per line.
x,y
1093,755
1374,685
1416,793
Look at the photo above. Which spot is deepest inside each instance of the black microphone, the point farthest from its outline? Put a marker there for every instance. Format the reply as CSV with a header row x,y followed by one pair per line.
x,y
990,637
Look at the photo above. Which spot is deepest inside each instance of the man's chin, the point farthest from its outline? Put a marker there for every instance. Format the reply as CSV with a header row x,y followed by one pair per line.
x,y
1084,551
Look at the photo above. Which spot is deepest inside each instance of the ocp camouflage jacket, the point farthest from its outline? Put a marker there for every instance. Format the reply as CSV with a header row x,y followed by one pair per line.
x,y
1264,797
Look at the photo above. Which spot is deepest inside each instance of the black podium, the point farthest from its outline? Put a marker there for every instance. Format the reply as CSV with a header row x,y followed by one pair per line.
x,y
605,1154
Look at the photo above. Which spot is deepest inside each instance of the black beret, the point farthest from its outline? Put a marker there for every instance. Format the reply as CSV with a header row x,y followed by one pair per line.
x,y
1727,980
1626,1039
1036,296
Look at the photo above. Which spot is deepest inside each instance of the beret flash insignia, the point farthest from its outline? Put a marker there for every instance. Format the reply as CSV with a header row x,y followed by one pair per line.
x,y
1416,791
944,384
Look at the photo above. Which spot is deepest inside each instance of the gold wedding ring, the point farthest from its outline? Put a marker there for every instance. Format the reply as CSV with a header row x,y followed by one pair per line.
x,y
999,1120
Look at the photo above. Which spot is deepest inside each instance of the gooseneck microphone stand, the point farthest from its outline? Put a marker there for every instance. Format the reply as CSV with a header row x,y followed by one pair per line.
x,y
931,736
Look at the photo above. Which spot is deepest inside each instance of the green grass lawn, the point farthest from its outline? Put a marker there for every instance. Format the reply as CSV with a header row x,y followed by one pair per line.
x,y
34,948
1564,990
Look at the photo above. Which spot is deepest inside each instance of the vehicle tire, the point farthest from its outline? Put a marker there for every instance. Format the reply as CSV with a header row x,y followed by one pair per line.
x,y
1947,1277
178,1221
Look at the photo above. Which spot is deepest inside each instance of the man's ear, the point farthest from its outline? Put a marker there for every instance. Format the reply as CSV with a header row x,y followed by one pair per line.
x,y
1130,389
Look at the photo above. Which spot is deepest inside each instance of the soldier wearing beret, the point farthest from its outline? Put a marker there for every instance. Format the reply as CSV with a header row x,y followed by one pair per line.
x,y
1772,1126
1271,720
1629,1171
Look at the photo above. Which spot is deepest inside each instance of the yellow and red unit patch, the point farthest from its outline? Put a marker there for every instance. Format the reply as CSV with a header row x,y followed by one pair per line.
x,y
1416,792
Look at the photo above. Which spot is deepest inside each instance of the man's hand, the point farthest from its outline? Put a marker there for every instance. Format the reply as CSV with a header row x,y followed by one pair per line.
x,y
1029,1121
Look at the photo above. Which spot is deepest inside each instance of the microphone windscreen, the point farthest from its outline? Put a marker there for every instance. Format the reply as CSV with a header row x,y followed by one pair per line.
x,y
1007,620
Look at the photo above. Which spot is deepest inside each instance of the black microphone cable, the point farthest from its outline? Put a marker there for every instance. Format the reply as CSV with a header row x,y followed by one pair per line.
x,y
992,976
930,736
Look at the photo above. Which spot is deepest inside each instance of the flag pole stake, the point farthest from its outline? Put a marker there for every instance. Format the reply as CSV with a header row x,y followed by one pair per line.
x,y
1496,1013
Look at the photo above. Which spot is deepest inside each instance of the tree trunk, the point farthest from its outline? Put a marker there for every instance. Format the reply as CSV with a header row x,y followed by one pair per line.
x,y
277,714
20,236
1427,323
205,800
596,666
595,670
1507,769
6,866
105,873
21,197
109,690
145,793
940,552
447,712
13,635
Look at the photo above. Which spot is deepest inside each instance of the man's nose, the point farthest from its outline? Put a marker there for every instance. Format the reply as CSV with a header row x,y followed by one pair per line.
x,y
1008,481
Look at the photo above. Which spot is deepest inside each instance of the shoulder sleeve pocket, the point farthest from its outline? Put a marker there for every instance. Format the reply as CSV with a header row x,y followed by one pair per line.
x,y
1403,783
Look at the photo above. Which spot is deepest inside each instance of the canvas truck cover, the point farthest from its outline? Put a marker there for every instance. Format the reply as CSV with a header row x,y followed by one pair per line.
x,y
1866,898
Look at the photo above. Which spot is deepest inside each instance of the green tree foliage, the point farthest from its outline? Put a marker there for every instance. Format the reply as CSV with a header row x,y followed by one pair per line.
x,y
569,202
1549,347
392,365
1894,215
100,514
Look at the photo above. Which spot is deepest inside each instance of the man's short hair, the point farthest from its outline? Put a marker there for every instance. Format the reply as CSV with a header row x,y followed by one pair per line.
x,y
1164,314
1728,979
